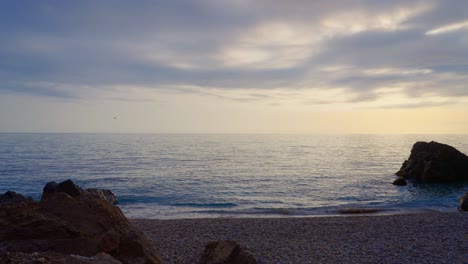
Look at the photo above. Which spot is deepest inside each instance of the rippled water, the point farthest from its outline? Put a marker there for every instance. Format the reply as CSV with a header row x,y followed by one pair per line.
x,y
179,176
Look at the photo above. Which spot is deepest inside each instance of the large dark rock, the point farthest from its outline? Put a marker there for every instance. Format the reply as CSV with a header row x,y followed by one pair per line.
x,y
464,203
435,162
71,221
226,252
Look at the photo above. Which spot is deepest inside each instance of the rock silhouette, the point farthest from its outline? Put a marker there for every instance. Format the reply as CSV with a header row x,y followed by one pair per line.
x,y
400,181
435,162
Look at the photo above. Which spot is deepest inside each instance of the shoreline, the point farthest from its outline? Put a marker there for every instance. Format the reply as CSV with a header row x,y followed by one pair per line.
x,y
419,237
342,212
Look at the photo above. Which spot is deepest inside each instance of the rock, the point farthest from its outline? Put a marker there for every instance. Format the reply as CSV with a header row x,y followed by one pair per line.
x,y
71,221
50,187
13,198
68,187
463,203
400,181
226,252
107,195
435,162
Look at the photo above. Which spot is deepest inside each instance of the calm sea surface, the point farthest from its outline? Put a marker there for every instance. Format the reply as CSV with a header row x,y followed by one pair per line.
x,y
182,176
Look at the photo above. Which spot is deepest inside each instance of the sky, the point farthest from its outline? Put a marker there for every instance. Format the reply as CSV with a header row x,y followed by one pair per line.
x,y
234,66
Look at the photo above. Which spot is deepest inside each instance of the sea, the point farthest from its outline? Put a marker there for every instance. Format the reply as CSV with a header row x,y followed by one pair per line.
x,y
174,176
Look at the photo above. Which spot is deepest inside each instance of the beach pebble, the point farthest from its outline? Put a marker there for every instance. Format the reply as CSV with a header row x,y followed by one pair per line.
x,y
428,238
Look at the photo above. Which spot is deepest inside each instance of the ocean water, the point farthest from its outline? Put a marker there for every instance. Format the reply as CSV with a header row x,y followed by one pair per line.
x,y
185,176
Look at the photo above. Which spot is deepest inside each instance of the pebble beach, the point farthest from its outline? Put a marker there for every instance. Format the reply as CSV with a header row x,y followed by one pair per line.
x,y
403,238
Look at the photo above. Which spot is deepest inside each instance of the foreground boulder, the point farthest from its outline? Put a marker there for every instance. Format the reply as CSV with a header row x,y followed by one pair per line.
x,y
435,162
71,221
226,252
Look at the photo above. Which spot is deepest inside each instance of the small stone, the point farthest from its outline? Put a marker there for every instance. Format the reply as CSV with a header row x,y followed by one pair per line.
x,y
226,252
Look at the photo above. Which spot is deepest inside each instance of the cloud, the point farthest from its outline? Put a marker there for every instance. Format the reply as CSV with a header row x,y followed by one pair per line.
x,y
418,105
448,28
86,49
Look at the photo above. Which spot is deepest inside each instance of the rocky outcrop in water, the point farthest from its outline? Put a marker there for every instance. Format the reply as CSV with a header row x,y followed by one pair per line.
x,y
464,203
400,181
226,252
71,221
435,162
